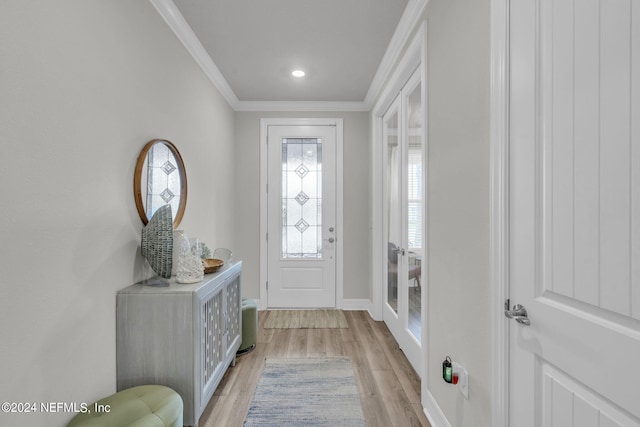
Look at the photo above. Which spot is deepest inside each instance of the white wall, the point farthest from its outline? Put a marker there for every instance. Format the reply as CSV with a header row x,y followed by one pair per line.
x,y
459,297
357,264
84,84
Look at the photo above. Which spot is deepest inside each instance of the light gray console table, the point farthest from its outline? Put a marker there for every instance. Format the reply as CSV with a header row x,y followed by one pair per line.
x,y
181,336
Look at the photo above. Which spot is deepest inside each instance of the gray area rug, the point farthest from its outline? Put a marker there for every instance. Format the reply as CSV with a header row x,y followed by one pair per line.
x,y
306,319
306,392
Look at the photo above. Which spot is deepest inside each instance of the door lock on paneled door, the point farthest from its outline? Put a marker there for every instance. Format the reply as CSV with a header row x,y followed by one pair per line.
x,y
331,239
518,313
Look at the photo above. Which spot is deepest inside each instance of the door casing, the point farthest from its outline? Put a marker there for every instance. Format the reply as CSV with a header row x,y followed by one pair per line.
x,y
499,169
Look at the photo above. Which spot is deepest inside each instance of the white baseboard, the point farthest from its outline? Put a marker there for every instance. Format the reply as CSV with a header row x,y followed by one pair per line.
x,y
357,305
433,412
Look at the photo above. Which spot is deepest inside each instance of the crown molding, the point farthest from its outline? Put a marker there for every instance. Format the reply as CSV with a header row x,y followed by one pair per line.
x,y
409,21
172,16
300,106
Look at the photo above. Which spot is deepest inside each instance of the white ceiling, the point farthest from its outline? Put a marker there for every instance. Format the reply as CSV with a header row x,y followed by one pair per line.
x,y
255,45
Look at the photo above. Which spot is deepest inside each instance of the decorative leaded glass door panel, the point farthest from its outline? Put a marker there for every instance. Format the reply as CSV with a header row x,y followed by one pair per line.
x,y
301,216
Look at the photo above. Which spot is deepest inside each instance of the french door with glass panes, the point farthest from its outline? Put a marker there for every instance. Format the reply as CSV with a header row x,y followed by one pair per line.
x,y
403,136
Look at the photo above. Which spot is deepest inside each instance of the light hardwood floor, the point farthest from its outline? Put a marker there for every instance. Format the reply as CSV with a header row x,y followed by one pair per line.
x,y
389,387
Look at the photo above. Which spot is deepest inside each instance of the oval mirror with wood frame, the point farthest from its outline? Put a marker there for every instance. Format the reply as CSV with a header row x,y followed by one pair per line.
x,y
160,179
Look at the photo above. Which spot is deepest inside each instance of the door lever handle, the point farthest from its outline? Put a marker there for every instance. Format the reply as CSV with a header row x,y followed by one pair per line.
x,y
519,314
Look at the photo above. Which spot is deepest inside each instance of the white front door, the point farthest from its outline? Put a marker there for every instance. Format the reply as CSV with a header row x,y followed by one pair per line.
x,y
575,212
301,212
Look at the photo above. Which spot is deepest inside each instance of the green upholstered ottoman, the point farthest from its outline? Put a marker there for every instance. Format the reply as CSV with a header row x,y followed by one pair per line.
x,y
249,326
142,406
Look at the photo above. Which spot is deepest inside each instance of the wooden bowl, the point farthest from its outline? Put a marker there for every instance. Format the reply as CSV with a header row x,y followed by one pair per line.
x,y
211,265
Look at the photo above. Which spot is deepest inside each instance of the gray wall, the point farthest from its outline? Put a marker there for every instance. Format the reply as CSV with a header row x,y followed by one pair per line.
x,y
357,264
84,85
459,298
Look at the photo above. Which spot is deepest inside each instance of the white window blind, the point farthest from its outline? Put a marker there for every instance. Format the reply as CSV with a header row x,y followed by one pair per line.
x,y
414,195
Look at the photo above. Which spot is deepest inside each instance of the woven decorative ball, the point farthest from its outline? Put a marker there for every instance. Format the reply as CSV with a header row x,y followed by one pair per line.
x,y
157,241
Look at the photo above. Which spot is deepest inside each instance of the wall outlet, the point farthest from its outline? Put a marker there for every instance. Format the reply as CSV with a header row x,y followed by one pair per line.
x,y
463,379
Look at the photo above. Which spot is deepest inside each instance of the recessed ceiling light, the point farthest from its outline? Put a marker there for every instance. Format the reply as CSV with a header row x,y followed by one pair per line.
x,y
298,73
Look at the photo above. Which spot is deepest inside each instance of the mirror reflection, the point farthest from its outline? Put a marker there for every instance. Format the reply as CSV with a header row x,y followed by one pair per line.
x,y
160,180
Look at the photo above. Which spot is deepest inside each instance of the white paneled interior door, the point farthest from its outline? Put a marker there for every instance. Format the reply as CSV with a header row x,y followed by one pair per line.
x,y
575,212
